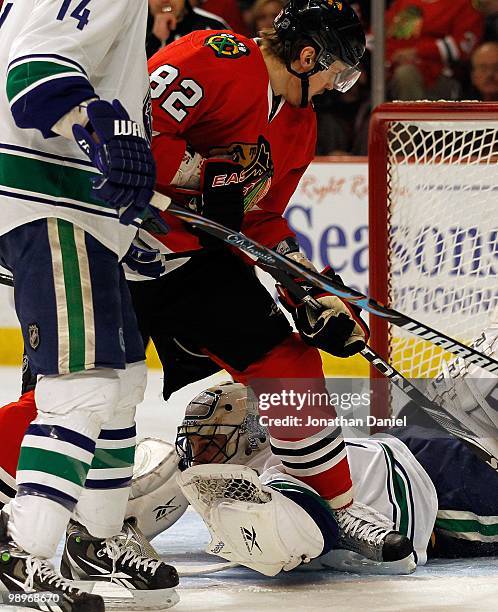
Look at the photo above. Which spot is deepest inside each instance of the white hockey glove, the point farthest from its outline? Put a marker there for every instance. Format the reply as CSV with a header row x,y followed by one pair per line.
x,y
250,523
468,392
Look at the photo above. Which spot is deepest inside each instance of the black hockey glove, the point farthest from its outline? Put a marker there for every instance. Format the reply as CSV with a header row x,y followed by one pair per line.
x,y
221,198
122,154
222,192
338,329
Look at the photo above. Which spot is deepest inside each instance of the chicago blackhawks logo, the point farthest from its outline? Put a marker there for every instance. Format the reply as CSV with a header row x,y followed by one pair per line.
x,y
226,45
407,24
255,158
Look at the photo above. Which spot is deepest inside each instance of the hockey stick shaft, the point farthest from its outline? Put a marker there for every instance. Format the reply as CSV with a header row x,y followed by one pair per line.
x,y
443,418
274,262
271,260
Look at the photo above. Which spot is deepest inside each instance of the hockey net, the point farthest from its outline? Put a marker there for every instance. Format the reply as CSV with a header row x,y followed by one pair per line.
x,y
433,181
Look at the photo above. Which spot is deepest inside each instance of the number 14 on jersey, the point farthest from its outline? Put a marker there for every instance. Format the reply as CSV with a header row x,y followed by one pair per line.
x,y
81,13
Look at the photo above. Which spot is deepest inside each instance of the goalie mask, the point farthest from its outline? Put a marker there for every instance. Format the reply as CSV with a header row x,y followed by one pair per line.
x,y
221,425
333,29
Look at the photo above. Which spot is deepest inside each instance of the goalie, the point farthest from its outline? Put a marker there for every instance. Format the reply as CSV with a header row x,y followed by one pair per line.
x,y
417,480
428,486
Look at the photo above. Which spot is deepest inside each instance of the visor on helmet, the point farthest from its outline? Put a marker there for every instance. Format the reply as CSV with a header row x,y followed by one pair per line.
x,y
345,76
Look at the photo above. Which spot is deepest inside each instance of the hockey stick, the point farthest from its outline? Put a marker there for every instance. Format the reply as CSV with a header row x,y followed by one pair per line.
x,y
270,260
443,418
438,414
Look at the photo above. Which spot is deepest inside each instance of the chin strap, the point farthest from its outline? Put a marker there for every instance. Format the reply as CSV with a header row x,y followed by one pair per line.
x,y
305,85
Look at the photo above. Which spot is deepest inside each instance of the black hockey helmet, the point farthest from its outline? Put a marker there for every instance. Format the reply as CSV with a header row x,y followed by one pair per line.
x,y
332,27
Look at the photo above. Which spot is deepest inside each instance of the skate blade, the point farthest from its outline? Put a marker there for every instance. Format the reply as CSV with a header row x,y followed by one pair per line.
x,y
354,563
119,597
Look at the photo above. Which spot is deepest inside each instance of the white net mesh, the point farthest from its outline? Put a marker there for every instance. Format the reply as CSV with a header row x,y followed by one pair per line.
x,y
239,489
443,231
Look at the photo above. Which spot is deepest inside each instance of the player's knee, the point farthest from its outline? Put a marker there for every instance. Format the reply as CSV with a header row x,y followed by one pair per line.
x,y
86,399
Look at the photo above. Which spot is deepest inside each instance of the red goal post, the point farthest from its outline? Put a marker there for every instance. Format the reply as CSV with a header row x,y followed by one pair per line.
x,y
433,224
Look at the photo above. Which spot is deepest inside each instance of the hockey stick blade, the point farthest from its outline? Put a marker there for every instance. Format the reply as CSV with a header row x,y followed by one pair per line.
x,y
486,452
270,260
204,568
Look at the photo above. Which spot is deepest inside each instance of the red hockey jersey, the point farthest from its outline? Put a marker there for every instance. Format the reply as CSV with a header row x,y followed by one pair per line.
x,y
442,32
211,90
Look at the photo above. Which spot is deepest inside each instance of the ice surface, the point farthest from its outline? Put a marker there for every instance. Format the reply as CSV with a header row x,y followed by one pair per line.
x,y
450,586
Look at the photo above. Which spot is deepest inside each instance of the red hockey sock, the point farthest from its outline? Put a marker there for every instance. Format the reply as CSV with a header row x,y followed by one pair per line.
x,y
14,420
291,375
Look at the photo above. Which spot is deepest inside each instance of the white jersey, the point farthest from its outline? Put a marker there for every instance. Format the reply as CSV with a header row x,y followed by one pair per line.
x,y
52,47
387,477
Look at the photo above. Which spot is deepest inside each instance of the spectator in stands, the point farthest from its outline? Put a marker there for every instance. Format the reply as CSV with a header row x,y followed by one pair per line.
x,y
484,72
263,14
172,19
228,10
425,41
489,8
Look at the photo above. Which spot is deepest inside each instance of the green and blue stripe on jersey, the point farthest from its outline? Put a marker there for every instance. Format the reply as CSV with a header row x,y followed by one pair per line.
x,y
42,88
36,176
467,525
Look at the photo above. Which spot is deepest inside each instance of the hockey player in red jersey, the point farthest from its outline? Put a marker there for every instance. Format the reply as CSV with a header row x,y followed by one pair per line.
x,y
234,117
234,128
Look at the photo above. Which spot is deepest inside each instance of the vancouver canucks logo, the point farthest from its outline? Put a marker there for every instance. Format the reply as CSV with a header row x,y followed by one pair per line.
x,y
226,45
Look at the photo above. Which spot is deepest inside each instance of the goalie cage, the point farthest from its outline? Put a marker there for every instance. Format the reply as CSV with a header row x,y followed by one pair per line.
x,y
433,218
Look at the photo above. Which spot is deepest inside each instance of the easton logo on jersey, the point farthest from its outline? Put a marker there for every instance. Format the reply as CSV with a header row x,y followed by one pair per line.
x,y
257,163
226,45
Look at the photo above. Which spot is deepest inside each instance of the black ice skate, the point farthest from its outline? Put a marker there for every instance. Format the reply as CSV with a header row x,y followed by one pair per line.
x,y
31,582
368,543
127,560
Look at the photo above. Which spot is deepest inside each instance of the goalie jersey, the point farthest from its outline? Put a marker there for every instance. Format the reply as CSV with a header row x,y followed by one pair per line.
x,y
387,477
54,55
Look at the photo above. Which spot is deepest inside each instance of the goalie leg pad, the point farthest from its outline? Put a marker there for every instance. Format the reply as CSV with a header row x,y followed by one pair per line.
x,y
156,500
252,525
56,454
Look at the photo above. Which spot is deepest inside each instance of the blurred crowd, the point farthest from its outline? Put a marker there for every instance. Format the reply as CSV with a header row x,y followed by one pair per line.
x,y
435,50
